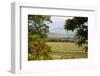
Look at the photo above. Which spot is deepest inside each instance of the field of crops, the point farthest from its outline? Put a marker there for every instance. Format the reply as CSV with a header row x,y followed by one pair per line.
x,y
66,50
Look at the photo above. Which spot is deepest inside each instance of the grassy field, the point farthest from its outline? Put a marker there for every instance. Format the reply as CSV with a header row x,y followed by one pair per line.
x,y
66,50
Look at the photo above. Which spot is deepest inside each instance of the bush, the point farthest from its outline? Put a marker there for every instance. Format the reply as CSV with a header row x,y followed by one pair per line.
x,y
37,49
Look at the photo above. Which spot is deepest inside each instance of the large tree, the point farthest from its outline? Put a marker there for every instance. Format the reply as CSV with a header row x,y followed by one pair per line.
x,y
37,34
80,25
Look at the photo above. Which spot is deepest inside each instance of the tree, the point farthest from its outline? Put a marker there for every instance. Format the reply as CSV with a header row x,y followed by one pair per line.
x,y
80,25
37,35
38,24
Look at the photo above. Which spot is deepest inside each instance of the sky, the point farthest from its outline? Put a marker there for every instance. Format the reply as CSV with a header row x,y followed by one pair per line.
x,y
57,25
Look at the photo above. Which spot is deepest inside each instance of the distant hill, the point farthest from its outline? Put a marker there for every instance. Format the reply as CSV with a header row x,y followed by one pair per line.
x,y
60,36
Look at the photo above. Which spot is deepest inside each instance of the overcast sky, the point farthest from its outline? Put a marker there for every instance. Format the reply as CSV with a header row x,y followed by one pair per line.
x,y
57,25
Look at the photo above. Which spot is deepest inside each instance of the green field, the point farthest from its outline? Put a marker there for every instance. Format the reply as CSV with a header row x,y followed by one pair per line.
x,y
66,50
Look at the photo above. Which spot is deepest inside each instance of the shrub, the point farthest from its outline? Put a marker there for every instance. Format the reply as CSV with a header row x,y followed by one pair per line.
x,y
37,49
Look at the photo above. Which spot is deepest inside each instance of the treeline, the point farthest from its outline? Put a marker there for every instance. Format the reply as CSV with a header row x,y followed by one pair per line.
x,y
61,40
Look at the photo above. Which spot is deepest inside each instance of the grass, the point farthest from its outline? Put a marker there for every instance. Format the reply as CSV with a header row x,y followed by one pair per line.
x,y
66,50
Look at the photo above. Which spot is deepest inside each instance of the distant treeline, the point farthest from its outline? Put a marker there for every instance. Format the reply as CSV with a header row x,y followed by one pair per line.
x,y
61,40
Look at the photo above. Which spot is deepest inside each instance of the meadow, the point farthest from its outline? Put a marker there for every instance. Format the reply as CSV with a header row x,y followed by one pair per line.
x,y
66,50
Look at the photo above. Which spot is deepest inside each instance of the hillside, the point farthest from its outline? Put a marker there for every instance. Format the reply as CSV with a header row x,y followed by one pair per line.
x,y
60,36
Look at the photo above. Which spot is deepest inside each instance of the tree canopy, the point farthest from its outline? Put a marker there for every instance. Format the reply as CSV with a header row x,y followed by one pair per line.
x,y
80,25
37,34
38,24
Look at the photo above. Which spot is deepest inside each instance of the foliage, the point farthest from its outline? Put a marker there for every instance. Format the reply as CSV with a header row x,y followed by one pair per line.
x,y
80,25
38,24
37,49
37,35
